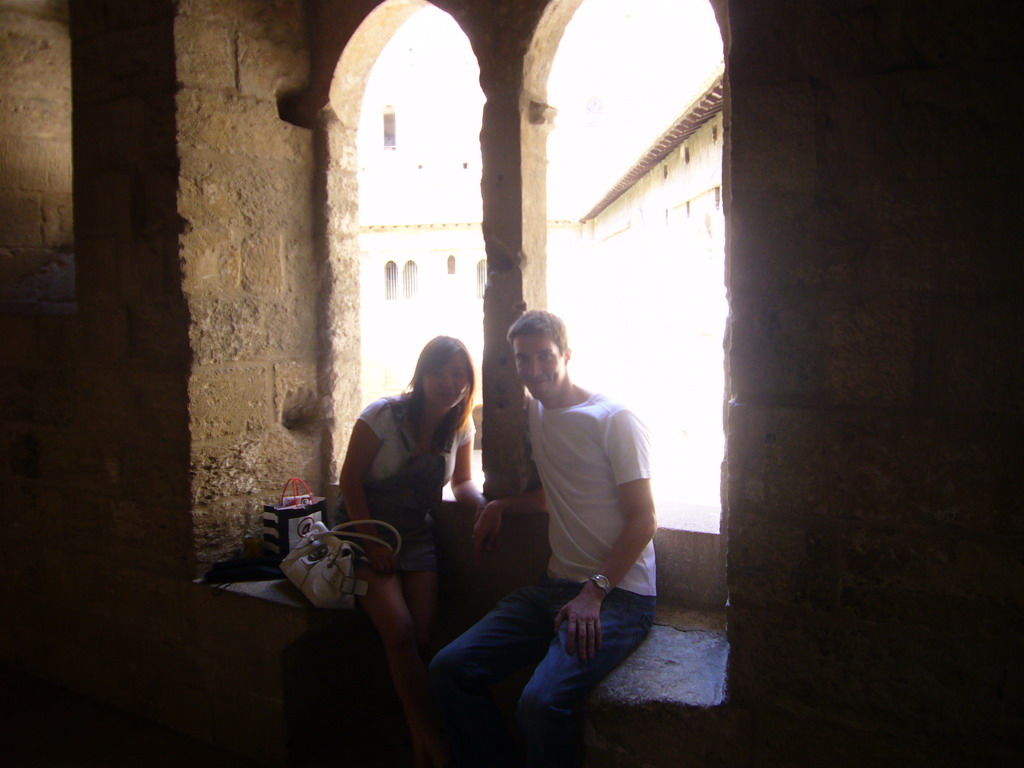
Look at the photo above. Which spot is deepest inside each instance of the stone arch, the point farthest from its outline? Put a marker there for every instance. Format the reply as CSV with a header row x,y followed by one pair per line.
x,y
338,229
642,242
515,124
539,117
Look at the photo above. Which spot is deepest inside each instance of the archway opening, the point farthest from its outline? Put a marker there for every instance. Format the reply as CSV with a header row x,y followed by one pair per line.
x,y
635,243
419,199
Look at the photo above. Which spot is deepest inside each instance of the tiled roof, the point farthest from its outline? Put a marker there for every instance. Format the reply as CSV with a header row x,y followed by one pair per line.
x,y
699,112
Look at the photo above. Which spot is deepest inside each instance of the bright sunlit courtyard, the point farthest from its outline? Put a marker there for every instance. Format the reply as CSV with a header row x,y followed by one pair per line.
x,y
644,277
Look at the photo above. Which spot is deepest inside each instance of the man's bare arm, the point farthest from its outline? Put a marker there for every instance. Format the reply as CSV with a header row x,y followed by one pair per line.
x,y
487,526
583,612
637,502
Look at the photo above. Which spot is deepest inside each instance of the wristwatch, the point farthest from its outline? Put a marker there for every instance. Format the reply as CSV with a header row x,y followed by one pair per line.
x,y
602,581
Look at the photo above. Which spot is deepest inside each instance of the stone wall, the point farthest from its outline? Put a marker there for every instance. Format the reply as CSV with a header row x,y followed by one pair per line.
x,y
250,277
874,538
874,563
95,419
36,261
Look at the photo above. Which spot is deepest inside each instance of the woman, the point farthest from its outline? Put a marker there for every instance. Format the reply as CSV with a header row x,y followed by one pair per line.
x,y
401,453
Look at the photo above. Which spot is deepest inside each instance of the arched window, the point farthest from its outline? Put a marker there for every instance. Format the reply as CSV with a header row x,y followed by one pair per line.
x,y
481,278
410,273
390,281
679,257
389,128
451,264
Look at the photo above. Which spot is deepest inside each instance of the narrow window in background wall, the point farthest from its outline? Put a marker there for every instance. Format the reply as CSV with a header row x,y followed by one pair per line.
x,y
410,276
390,281
481,278
421,205
389,128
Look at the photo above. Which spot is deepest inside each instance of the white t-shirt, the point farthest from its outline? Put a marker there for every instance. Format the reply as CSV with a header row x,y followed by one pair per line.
x,y
380,417
583,453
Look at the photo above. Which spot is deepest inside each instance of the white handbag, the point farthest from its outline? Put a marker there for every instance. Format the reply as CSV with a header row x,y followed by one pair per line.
x,y
323,563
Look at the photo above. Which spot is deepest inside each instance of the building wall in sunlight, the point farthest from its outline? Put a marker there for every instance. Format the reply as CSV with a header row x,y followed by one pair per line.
x,y
642,289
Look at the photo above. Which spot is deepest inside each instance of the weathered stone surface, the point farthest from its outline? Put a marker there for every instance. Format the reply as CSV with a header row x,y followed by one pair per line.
x,y
869,669
872,203
684,668
158,335
264,264
36,281
37,50
211,261
253,465
848,465
255,19
691,568
296,404
229,402
262,196
115,131
104,204
251,328
971,369
36,165
227,123
208,60
218,529
142,57
58,221
27,115
270,67
21,219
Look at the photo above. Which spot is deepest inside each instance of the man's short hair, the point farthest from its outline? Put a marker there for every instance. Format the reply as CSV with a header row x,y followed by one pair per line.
x,y
537,322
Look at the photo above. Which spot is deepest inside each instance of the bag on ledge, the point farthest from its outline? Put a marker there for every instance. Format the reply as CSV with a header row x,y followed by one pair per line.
x,y
323,563
285,524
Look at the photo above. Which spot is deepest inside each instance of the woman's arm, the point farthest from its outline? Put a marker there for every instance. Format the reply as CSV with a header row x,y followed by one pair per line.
x,y
362,449
465,490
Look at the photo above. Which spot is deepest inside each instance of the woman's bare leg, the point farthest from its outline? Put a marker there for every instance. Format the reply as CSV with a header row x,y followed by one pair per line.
x,y
401,627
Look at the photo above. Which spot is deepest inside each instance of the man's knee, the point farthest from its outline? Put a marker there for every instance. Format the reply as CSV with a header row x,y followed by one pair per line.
x,y
444,664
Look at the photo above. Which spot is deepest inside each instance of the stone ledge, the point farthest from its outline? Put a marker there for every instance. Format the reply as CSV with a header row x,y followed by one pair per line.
x,y
672,666
304,658
279,591
286,601
665,698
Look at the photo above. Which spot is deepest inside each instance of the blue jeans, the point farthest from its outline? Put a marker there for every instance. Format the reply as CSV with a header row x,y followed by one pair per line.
x,y
520,631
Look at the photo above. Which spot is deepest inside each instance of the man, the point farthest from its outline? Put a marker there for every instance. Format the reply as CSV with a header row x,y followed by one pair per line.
x,y
597,602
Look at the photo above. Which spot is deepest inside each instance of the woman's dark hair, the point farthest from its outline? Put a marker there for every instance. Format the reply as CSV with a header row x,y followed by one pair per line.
x,y
437,353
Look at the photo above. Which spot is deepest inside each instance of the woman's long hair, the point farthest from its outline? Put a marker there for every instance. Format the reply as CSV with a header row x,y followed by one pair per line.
x,y
437,353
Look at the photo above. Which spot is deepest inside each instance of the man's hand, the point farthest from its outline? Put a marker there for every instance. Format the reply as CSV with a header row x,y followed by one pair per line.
x,y
582,615
487,529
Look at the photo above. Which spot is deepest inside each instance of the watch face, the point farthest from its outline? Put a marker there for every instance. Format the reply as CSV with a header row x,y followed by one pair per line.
x,y
601,581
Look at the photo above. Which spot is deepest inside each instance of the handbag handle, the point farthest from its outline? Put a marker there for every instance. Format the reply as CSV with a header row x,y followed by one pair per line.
x,y
341,531
295,482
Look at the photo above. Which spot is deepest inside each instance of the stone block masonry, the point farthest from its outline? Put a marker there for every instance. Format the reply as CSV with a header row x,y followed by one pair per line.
x,y
872,525
248,260
36,239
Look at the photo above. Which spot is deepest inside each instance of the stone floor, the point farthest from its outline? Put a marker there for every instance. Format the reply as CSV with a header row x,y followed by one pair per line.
x,y
47,726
